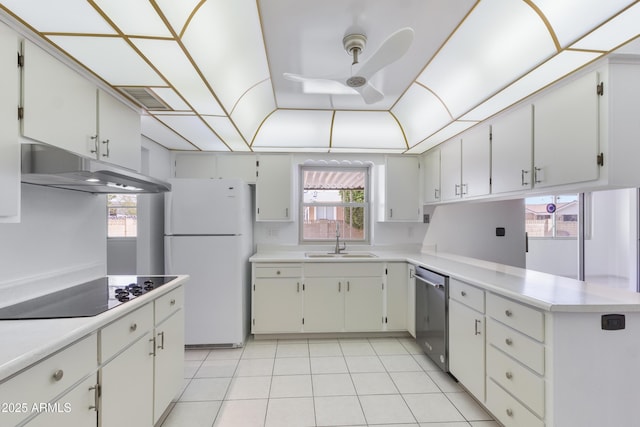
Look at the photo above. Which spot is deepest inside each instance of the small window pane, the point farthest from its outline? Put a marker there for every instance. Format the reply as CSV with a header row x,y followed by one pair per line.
x,y
122,215
552,216
320,223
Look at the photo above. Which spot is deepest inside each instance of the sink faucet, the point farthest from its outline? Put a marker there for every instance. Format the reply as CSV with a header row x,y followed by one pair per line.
x,y
344,245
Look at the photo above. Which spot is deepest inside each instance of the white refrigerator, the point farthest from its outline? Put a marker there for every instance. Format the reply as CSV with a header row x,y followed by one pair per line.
x,y
208,235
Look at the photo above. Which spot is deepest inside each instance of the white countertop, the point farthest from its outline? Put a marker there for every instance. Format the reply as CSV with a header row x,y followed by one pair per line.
x,y
544,291
25,342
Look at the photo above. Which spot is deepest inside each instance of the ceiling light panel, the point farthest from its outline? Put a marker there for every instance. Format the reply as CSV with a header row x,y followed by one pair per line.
x,y
61,16
556,68
225,41
105,56
195,131
252,109
614,33
572,19
295,130
366,129
161,134
171,62
486,52
134,17
177,12
421,113
225,130
451,130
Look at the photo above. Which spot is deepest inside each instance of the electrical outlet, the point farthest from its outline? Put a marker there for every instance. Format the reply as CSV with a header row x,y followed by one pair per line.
x,y
426,218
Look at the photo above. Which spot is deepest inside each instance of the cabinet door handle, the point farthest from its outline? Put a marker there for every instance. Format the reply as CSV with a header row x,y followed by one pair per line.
x,y
348,286
465,189
509,375
436,193
133,327
390,213
510,412
476,330
172,302
96,396
535,175
339,286
508,341
152,340
463,293
298,287
522,174
457,193
106,141
57,375
286,212
508,313
95,145
161,336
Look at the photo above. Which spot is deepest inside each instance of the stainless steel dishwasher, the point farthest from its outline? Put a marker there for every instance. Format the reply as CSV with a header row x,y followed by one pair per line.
x,y
432,319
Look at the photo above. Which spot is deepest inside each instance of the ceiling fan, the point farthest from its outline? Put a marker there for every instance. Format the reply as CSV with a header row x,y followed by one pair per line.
x,y
392,49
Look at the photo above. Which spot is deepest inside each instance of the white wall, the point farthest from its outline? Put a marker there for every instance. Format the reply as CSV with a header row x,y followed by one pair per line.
x,y
266,233
61,231
469,229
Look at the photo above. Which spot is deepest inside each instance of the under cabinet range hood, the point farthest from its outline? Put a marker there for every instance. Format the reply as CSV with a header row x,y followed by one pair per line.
x,y
50,166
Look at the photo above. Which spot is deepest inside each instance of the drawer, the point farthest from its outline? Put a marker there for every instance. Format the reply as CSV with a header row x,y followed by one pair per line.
x,y
519,346
119,334
508,410
47,379
516,379
525,319
344,269
290,270
168,304
466,294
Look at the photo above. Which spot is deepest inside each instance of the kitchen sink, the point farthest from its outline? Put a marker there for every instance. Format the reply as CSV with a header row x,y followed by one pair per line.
x,y
341,255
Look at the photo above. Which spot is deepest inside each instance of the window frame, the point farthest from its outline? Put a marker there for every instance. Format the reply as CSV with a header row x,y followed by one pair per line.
x,y
554,218
366,204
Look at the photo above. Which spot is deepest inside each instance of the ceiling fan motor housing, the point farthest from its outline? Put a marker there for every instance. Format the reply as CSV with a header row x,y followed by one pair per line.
x,y
354,44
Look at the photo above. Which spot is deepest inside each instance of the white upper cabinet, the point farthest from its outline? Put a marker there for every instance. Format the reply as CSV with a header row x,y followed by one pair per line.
x,y
237,166
273,188
119,134
465,165
566,142
9,143
59,104
432,176
399,190
511,145
63,108
476,162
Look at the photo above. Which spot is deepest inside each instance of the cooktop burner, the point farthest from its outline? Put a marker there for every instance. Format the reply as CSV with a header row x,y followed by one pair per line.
x,y
85,300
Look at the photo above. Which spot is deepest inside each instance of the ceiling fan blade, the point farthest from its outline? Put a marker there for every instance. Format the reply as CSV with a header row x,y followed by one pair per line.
x,y
370,94
392,49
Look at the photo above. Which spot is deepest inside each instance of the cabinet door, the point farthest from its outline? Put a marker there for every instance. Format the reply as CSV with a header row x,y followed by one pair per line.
x,y
168,363
402,182
476,162
126,386
432,176
9,143
451,170
273,188
396,316
119,134
411,300
466,347
363,304
511,145
77,408
277,305
237,166
59,104
324,304
566,134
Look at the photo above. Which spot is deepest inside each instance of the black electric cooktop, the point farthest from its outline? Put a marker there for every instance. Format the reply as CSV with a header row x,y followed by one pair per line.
x,y
85,300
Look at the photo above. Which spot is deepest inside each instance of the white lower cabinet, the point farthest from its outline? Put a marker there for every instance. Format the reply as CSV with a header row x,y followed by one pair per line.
x,y
323,304
276,299
363,304
26,393
467,336
397,314
411,299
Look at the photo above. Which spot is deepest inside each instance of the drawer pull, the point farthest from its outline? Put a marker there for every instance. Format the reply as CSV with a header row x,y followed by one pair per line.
x,y
133,327
57,375
463,293
510,412
278,272
508,341
509,375
172,302
508,313
477,330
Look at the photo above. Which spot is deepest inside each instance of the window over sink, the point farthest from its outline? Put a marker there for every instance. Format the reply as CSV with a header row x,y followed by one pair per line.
x,y
334,200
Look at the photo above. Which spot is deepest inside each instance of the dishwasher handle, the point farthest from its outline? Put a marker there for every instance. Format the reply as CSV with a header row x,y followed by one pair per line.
x,y
428,282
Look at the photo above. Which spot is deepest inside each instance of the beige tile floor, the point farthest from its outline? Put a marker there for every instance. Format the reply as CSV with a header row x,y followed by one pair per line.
x,y
323,382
